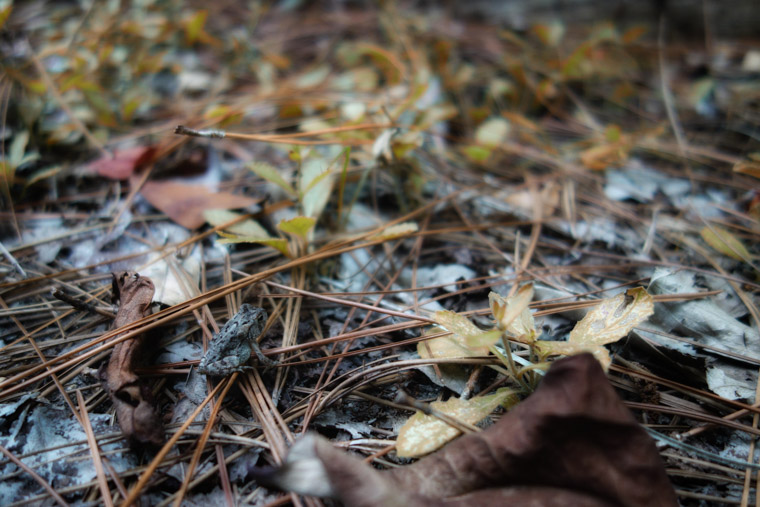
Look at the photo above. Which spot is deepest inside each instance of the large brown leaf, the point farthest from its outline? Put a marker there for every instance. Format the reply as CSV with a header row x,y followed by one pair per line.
x,y
185,203
571,443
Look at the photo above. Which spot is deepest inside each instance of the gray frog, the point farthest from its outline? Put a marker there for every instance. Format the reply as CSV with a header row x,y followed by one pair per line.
x,y
231,348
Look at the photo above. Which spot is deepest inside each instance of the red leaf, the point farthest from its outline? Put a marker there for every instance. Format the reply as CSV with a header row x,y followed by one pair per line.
x,y
123,163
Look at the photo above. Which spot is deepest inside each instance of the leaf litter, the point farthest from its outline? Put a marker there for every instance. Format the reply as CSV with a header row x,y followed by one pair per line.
x,y
424,203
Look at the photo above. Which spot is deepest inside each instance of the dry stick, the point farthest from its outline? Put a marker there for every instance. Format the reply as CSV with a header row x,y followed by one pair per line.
x,y
154,464
220,134
105,491
34,475
180,495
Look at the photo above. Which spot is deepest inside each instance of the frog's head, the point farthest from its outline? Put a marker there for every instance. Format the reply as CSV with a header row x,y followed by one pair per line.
x,y
249,320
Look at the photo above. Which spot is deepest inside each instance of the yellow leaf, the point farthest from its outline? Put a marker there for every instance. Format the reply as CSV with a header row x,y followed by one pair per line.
x,y
277,243
423,434
724,242
300,226
194,26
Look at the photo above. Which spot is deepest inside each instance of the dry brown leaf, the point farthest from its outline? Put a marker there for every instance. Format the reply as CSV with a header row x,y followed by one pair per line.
x,y
185,203
572,442
132,399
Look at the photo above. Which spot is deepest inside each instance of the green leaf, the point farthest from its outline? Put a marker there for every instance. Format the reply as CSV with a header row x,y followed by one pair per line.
x,y
249,227
423,434
477,153
269,173
724,242
300,226
277,243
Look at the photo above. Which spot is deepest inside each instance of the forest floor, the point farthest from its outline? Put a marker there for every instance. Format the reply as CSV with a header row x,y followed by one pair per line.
x,y
425,204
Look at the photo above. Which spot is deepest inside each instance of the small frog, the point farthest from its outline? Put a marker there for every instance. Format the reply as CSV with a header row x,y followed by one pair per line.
x,y
231,348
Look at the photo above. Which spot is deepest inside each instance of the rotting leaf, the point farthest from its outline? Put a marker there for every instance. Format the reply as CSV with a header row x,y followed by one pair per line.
x,y
185,203
423,434
572,442
724,242
606,323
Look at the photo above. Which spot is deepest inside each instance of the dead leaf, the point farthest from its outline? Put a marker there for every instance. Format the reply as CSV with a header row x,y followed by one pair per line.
x,y
132,399
123,163
572,442
512,314
185,203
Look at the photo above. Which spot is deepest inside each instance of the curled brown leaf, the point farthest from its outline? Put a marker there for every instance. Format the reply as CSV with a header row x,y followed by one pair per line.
x,y
572,442
131,398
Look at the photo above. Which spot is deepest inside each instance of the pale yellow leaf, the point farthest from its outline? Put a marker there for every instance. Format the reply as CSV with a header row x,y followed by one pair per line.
x,y
613,318
512,313
271,174
423,434
724,242
492,132
484,339
248,227
456,345
606,323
